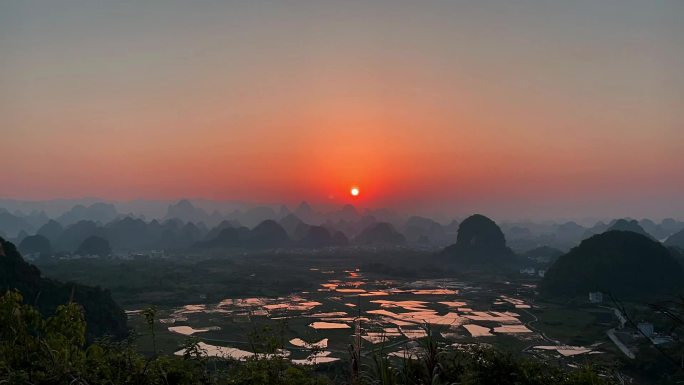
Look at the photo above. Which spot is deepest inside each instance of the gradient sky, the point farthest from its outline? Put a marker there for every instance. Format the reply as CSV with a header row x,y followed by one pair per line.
x,y
511,108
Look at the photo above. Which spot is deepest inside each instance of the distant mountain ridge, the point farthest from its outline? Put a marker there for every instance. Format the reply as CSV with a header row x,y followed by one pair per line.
x,y
676,240
267,235
381,233
97,212
628,225
186,222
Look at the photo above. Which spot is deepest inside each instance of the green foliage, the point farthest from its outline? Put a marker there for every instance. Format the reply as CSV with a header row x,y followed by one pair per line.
x,y
104,316
150,315
474,366
274,371
37,350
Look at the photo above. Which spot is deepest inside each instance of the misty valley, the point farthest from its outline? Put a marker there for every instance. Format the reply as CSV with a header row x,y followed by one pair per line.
x,y
335,291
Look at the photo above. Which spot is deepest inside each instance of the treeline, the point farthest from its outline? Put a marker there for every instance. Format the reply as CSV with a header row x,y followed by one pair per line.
x,y
103,314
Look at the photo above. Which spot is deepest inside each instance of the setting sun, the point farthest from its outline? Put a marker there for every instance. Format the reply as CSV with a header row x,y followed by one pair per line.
x,y
354,191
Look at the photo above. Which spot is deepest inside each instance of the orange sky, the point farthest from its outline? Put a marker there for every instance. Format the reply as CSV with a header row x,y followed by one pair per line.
x,y
438,106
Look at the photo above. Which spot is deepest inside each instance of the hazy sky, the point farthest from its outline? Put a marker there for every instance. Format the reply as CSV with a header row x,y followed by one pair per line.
x,y
511,108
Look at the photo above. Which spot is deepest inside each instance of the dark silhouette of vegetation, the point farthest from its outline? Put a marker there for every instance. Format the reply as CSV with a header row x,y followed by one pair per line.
x,y
103,314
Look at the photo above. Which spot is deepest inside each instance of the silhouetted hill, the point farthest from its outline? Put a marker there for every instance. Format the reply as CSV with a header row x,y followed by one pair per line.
x,y
479,241
51,230
94,245
73,235
283,211
628,225
301,231
339,239
662,230
290,223
226,224
103,315
129,234
452,227
35,244
214,218
624,263
425,229
316,236
193,232
383,215
380,233
677,253
35,218
266,235
22,234
97,212
570,230
670,226
256,215
351,228
11,224
598,228
305,213
229,237
346,213
676,240
186,212
175,235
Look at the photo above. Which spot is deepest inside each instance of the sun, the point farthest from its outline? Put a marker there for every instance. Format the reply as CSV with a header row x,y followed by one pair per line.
x,y
354,191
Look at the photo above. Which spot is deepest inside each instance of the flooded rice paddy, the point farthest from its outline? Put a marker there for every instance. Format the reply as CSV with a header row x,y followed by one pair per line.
x,y
319,326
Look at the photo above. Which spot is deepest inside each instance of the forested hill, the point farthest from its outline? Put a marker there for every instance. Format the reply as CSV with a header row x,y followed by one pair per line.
x,y
103,315
624,263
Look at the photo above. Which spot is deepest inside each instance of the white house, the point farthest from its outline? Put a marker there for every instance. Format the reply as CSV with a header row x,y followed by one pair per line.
x,y
595,297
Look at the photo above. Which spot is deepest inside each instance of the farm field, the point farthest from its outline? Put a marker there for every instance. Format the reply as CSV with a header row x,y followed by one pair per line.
x,y
318,326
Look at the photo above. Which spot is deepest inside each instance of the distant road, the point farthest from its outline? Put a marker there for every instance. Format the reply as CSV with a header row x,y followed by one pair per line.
x,y
619,344
541,333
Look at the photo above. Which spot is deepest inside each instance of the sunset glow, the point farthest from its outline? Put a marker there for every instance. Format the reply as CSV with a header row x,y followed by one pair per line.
x,y
461,106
